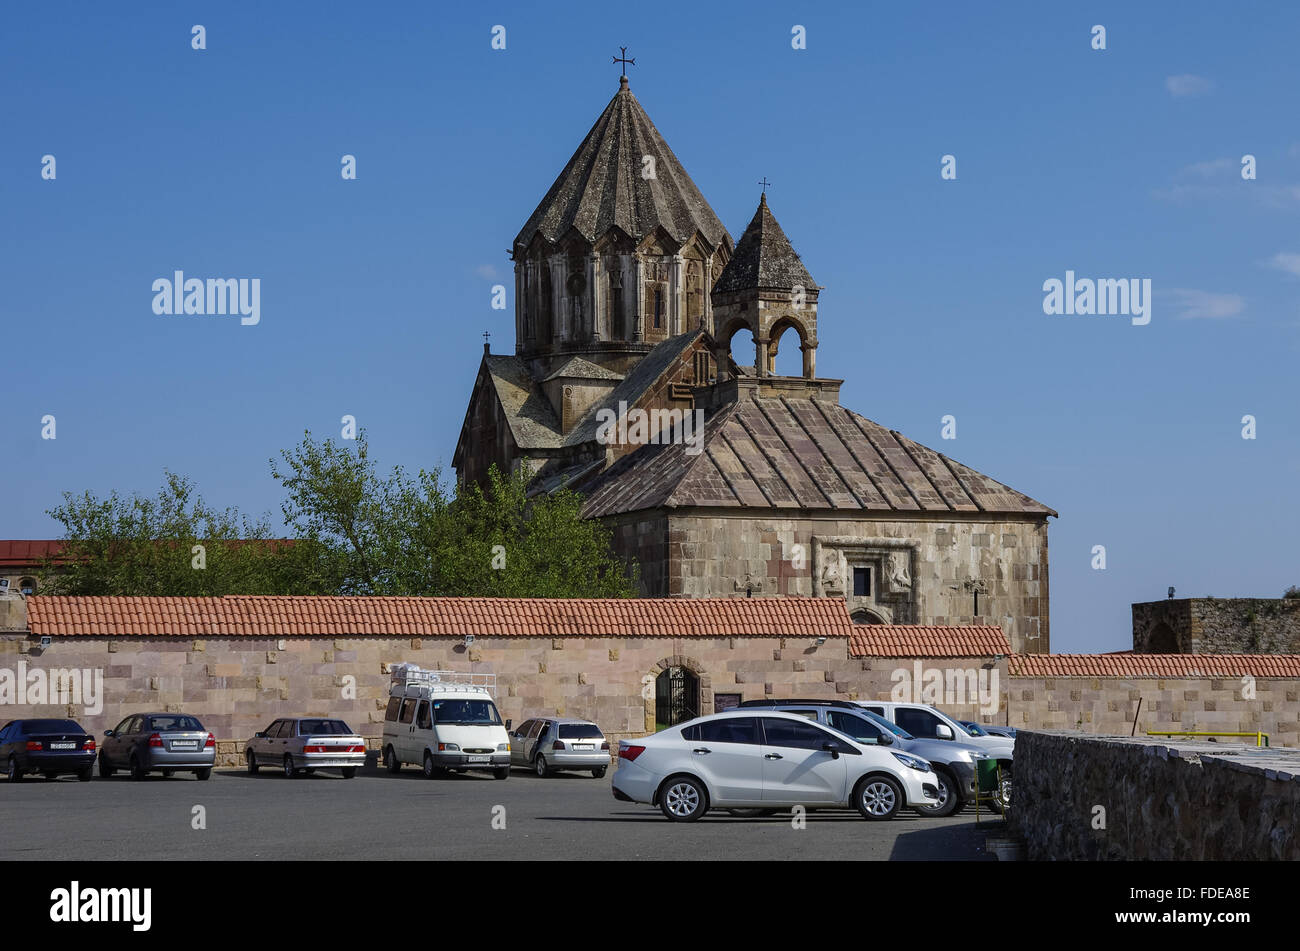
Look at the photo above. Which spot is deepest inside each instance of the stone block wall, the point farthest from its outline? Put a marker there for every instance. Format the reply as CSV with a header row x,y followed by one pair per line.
x,y
1091,797
723,554
1217,626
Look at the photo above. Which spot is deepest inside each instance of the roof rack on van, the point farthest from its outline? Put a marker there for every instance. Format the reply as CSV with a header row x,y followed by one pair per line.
x,y
802,703
410,675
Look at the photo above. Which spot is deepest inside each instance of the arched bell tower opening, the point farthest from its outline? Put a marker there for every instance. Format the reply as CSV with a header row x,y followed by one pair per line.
x,y
766,288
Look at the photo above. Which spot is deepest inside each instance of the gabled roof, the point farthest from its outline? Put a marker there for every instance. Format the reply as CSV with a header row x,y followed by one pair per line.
x,y
927,640
1154,665
576,368
650,368
528,412
603,185
287,616
787,453
21,553
764,258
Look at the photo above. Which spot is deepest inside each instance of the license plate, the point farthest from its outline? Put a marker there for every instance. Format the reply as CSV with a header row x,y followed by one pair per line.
x,y
478,759
584,746
63,746
185,744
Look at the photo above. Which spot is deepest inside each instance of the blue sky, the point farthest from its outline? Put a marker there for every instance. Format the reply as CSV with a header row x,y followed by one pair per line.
x,y
1122,163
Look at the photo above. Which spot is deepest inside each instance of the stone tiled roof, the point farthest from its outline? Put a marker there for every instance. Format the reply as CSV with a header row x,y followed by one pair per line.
x,y
528,412
769,453
641,378
576,368
924,640
602,187
1154,665
286,616
764,258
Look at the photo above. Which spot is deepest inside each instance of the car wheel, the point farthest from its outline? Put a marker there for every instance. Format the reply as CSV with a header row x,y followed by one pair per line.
x,y
1002,797
348,771
878,797
105,771
540,765
599,772
391,761
250,759
430,770
683,799
167,772
12,771
204,773
503,773
289,771
84,775
752,813
948,800
137,770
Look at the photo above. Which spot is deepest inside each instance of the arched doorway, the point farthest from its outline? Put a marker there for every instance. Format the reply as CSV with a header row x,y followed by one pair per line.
x,y
677,697
863,616
1162,640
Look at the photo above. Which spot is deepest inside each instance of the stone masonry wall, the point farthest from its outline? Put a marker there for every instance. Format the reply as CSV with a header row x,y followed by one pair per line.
x,y
719,555
1085,798
1217,626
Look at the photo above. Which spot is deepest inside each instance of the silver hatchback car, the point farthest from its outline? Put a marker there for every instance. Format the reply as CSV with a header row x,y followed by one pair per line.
x,y
305,744
551,744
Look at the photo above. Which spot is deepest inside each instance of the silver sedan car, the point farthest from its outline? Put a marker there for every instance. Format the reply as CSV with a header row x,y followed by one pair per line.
x,y
158,742
302,745
551,744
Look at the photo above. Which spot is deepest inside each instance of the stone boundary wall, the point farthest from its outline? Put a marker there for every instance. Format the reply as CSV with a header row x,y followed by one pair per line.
x,y
237,685
1217,626
1099,797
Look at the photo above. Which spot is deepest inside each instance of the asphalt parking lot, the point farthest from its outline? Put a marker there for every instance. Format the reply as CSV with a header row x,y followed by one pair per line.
x,y
382,816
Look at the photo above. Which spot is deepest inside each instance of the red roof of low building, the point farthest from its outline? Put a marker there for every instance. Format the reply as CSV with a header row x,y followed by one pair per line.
x,y
1154,665
285,616
924,640
23,553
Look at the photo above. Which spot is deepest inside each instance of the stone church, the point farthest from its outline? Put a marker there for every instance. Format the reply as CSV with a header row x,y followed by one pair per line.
x,y
628,293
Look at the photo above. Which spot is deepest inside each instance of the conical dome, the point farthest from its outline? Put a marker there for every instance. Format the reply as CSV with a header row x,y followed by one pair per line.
x,y
605,185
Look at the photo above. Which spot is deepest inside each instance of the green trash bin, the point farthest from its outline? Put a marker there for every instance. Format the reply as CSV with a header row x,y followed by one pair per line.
x,y
988,777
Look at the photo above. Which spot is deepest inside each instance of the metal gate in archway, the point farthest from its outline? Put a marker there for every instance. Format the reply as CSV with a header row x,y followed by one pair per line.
x,y
677,697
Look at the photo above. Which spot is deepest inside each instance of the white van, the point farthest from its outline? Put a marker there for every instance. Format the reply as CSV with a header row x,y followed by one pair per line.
x,y
444,720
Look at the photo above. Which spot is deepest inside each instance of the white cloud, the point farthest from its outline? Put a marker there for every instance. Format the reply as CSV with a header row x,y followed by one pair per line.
x,y
1203,305
1210,169
1186,84
486,271
1285,261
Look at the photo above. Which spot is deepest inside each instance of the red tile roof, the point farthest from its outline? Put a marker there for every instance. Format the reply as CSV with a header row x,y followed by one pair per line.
x,y
250,615
922,640
1154,665
22,553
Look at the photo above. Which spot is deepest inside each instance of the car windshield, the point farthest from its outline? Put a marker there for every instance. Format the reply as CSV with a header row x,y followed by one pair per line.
x,y
466,712
322,728
168,724
580,731
889,725
51,726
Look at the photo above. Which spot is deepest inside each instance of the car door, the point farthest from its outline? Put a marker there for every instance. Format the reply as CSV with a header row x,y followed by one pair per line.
x,y
124,740
423,736
517,743
405,739
796,769
262,744
728,755
919,721
860,728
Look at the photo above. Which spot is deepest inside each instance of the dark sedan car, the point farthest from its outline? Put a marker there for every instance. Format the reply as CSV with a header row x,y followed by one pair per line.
x,y
48,747
158,742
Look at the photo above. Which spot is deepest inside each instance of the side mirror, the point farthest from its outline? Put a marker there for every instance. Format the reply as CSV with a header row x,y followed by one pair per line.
x,y
108,732
508,723
831,747
886,739
943,731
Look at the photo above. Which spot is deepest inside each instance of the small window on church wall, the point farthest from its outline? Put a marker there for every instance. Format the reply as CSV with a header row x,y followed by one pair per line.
x,y
862,582
27,586
659,306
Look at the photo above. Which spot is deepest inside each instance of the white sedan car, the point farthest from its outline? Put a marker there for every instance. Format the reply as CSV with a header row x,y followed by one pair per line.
x,y
749,761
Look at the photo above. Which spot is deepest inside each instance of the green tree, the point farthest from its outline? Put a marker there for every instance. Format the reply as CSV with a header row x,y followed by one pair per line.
x,y
139,545
400,534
